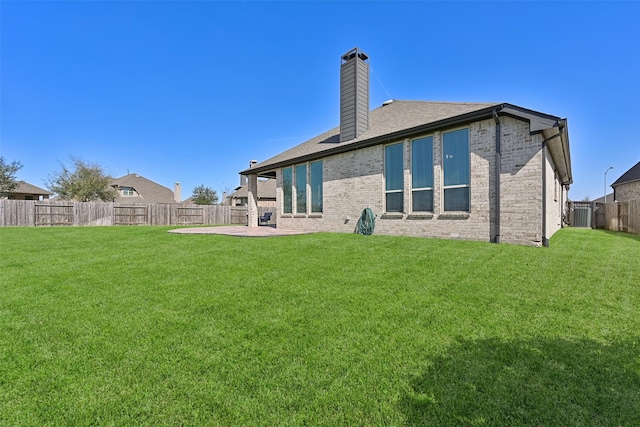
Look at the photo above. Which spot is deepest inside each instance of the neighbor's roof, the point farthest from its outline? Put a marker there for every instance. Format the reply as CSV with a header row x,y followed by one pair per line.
x,y
266,189
149,191
26,188
399,119
632,174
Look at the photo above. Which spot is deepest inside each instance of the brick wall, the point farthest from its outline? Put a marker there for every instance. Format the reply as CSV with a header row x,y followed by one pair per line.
x,y
354,181
628,191
520,183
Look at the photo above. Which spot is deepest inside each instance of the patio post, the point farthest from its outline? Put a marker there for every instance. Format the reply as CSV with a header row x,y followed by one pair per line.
x,y
252,200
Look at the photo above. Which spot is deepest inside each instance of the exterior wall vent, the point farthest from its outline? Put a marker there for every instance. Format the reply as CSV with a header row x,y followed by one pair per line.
x,y
354,94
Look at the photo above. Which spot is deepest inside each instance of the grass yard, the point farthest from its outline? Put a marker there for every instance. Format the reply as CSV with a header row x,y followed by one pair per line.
x,y
136,326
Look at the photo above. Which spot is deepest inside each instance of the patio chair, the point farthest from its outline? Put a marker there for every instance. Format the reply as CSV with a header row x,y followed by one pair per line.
x,y
265,218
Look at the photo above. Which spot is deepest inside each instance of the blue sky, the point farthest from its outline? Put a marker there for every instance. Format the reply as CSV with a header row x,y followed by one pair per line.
x,y
190,91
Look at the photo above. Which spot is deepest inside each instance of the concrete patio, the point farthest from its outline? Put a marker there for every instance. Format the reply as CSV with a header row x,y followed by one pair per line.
x,y
240,231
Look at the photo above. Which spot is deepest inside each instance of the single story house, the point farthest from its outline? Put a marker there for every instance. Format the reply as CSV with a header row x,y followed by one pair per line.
x,y
26,191
134,188
492,172
627,187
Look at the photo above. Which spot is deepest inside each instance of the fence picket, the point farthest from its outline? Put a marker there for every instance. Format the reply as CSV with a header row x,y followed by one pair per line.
x,y
28,213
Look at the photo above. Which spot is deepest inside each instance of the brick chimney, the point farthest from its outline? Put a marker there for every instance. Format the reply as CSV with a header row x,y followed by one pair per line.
x,y
354,94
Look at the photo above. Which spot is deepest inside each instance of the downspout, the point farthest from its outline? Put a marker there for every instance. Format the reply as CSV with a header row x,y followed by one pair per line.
x,y
561,205
496,238
545,241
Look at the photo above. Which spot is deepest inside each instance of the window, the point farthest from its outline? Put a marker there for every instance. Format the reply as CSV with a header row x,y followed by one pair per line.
x,y
422,175
287,182
394,174
301,188
456,164
128,191
315,178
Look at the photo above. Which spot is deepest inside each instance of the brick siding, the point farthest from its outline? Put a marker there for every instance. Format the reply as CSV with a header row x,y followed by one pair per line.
x,y
354,181
628,191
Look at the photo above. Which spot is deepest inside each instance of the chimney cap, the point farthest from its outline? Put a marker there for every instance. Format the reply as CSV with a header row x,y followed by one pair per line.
x,y
353,53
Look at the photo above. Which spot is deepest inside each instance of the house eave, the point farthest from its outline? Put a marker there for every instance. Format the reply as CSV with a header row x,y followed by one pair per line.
x,y
557,138
615,184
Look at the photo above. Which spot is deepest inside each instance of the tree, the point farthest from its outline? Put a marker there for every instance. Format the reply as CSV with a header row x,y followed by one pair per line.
x,y
204,195
86,182
8,181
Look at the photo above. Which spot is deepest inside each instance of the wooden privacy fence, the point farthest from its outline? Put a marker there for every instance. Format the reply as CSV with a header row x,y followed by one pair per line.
x,y
53,215
618,216
25,213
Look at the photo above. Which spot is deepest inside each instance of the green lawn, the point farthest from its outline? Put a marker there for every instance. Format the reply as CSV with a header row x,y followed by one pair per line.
x,y
136,326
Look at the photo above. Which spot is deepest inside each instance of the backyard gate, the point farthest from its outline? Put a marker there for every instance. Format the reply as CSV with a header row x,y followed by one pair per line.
x,y
623,216
190,215
130,215
53,215
239,216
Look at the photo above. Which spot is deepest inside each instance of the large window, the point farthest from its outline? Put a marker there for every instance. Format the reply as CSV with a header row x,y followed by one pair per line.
x,y
394,178
287,183
422,175
315,178
456,165
301,188
296,177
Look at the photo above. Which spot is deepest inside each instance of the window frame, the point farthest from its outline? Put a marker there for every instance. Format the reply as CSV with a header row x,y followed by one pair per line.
x,y
312,183
415,189
291,187
127,191
284,190
456,186
302,189
387,192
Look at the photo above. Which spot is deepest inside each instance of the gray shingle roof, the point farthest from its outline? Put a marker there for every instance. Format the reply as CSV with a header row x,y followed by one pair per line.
x,y
149,191
632,174
385,120
26,188
266,189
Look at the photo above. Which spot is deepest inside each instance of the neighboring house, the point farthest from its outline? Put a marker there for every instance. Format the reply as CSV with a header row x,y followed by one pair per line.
x,y
478,171
26,191
627,187
133,188
266,194
609,198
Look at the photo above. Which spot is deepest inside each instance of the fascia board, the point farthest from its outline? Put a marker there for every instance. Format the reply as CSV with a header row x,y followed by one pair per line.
x,y
537,121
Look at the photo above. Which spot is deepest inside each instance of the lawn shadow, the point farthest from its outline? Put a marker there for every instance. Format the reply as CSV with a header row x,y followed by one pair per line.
x,y
530,382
